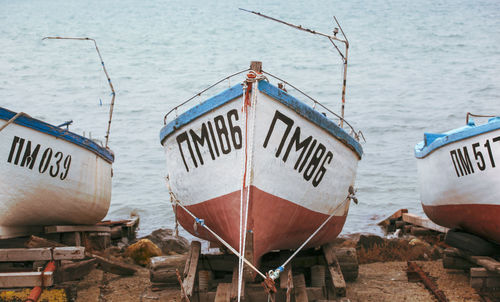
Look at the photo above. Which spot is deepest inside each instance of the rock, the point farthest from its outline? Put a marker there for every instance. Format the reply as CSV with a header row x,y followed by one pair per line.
x,y
167,242
142,250
369,241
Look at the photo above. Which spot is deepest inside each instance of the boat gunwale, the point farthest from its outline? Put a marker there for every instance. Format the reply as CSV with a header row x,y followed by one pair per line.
x,y
275,93
455,135
43,127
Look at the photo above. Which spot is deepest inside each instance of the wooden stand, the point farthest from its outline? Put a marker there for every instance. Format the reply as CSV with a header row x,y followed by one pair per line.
x,y
312,275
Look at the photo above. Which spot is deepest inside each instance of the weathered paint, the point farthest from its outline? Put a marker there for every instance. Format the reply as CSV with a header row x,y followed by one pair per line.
x,y
61,183
459,181
59,133
293,190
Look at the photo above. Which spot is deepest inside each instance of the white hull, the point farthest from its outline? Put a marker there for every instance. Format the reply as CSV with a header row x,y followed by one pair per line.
x,y
282,157
459,177
69,185
448,178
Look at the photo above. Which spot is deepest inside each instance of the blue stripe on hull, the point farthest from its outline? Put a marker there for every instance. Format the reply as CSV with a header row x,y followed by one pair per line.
x,y
58,133
236,91
434,141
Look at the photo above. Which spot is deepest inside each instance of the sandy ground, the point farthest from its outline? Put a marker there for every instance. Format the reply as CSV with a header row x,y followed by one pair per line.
x,y
381,281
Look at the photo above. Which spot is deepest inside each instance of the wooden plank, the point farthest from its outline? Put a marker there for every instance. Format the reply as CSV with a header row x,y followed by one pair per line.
x,y
284,277
398,214
336,277
74,271
37,242
486,262
76,228
452,262
223,293
68,253
26,279
300,288
423,222
24,254
191,268
115,267
248,272
482,272
41,254
234,285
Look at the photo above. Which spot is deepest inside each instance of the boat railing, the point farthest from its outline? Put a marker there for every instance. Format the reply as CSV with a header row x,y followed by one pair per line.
x,y
475,115
358,135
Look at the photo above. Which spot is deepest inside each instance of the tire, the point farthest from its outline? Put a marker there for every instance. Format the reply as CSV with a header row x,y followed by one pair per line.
x,y
473,244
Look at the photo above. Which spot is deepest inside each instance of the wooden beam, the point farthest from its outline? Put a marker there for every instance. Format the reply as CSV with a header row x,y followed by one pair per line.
x,y
248,272
38,254
115,267
300,288
398,214
423,222
256,66
337,279
234,285
191,268
74,271
26,279
37,242
223,293
284,277
76,228
68,253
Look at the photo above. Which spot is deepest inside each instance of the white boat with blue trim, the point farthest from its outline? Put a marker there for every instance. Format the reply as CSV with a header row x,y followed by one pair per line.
x,y
255,159
50,175
459,177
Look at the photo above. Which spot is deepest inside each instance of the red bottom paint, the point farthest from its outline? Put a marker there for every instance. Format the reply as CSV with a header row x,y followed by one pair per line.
x,y
275,222
479,219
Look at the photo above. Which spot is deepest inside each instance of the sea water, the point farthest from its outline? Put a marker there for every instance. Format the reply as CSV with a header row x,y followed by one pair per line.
x,y
414,66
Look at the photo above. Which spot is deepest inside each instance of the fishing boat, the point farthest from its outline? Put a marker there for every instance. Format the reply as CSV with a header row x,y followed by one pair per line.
x,y
253,161
50,175
459,176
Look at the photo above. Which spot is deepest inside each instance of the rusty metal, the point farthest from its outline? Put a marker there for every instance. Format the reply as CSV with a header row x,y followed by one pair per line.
x,y
475,115
330,38
269,286
113,94
183,291
415,272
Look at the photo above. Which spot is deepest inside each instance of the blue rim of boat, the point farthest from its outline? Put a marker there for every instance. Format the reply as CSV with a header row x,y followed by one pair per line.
x,y
434,141
274,92
57,132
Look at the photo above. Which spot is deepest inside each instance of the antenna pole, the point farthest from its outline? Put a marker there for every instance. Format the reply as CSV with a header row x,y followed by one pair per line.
x,y
329,37
113,94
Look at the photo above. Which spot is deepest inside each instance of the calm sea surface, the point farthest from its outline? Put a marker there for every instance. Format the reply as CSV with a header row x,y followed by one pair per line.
x,y
415,66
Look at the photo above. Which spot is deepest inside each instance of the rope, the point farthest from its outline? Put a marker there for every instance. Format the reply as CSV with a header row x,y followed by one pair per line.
x,y
243,180
13,119
202,223
276,273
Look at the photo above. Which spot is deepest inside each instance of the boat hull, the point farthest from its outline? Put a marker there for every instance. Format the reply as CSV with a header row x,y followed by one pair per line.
x,y
47,180
459,184
293,173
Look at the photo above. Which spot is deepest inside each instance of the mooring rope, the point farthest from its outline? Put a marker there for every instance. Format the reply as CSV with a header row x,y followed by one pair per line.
x,y
13,119
276,273
202,223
